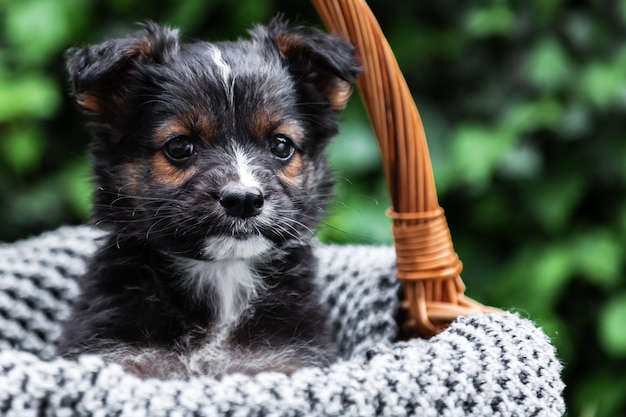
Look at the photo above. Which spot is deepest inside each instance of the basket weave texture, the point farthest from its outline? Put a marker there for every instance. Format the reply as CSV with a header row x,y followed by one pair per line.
x,y
485,365
427,265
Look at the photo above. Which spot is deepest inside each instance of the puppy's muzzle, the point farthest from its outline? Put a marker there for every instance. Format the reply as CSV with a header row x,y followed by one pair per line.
x,y
242,202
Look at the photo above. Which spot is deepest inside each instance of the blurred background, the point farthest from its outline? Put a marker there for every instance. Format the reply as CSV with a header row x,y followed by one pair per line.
x,y
523,104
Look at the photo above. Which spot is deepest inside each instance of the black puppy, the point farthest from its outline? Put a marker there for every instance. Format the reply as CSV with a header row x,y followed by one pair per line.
x,y
211,175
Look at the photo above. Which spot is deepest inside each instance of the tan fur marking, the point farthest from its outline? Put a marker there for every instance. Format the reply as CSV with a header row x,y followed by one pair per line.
x,y
167,131
195,123
90,103
200,123
269,121
261,122
292,172
144,47
287,41
133,174
168,174
338,94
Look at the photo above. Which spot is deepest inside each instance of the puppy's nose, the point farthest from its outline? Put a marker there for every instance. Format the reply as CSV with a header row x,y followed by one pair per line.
x,y
242,202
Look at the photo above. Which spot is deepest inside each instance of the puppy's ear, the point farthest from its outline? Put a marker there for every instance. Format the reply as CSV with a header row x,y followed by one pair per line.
x,y
325,61
104,76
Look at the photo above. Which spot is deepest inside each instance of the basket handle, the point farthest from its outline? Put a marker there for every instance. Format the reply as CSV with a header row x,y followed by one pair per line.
x,y
427,265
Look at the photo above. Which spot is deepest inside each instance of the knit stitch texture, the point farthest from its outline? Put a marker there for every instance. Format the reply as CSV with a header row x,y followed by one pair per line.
x,y
486,365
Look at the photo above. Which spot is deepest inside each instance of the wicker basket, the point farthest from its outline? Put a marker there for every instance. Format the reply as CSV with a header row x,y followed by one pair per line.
x,y
428,267
498,364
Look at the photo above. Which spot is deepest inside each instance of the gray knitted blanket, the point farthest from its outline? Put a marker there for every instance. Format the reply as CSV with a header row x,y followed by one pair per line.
x,y
490,365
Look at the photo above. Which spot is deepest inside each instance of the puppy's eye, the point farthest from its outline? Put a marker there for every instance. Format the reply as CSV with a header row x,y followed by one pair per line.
x,y
281,146
179,149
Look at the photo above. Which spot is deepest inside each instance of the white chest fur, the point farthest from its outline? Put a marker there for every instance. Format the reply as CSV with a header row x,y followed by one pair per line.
x,y
228,285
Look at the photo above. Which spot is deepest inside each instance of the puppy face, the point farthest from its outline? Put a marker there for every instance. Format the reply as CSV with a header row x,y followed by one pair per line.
x,y
212,150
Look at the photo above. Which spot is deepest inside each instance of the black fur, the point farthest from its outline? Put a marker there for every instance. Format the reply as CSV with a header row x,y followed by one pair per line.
x,y
147,90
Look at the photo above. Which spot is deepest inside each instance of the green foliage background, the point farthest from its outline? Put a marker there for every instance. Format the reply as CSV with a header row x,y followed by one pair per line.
x,y
523,103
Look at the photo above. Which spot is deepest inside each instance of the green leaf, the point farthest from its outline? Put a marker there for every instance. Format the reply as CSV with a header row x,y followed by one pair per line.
x,y
598,256
495,19
579,29
37,28
74,182
575,123
28,96
528,116
22,148
548,67
523,161
358,217
535,276
552,200
551,270
613,326
354,152
477,151
602,83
